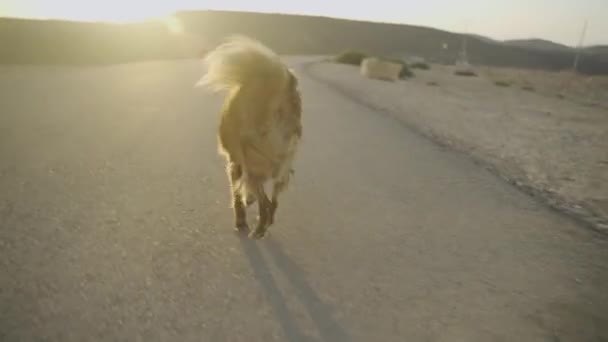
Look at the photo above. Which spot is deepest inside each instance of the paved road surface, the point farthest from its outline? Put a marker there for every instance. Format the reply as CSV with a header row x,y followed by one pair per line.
x,y
115,226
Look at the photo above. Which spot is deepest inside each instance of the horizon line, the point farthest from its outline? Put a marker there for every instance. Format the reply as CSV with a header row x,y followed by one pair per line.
x,y
159,17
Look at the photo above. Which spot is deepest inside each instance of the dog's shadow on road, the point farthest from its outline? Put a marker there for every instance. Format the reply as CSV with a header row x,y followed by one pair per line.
x,y
319,312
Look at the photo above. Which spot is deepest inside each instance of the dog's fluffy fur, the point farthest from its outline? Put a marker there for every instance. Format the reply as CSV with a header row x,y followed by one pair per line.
x,y
260,125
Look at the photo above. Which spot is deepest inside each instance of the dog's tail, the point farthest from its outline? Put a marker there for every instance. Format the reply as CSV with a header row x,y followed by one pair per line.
x,y
239,61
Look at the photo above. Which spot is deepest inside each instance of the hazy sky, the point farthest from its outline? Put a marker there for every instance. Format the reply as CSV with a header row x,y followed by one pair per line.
x,y
557,20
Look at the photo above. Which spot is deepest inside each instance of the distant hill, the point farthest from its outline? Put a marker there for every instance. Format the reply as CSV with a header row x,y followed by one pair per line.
x,y
538,44
597,49
547,45
66,42
484,38
62,42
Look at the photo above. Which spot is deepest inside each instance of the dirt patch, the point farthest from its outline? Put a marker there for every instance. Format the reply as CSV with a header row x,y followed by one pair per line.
x,y
550,147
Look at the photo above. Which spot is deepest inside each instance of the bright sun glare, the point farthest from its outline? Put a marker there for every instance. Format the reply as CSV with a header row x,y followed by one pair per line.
x,y
113,11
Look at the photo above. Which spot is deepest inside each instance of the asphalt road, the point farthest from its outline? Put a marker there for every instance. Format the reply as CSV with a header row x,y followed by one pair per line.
x,y
116,226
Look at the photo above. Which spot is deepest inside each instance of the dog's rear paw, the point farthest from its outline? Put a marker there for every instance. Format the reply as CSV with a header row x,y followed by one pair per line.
x,y
241,227
257,234
249,200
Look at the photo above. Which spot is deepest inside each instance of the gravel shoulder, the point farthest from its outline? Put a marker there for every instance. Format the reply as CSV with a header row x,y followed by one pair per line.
x,y
549,146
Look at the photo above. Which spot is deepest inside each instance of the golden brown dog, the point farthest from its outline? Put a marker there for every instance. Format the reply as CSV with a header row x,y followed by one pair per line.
x,y
260,125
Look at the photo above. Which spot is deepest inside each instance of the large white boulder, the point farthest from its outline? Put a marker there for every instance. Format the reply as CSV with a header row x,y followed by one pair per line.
x,y
378,69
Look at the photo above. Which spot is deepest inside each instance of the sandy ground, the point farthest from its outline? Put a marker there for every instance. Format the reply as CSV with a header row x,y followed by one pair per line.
x,y
582,89
550,139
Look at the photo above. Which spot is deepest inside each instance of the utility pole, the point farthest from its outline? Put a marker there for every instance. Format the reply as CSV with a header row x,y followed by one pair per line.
x,y
580,47
464,59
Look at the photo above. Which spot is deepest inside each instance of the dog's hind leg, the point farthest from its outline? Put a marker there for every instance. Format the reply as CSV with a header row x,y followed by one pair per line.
x,y
279,185
264,207
277,188
235,172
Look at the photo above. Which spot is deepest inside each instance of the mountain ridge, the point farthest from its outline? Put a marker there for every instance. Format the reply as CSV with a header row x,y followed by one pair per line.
x,y
31,41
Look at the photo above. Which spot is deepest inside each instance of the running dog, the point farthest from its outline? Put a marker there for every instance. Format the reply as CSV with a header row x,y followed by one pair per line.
x,y
260,126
